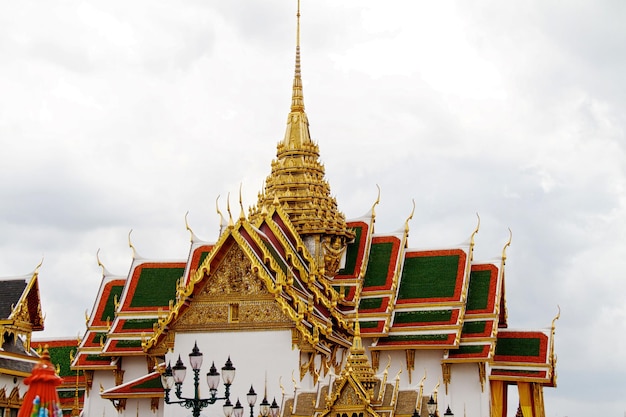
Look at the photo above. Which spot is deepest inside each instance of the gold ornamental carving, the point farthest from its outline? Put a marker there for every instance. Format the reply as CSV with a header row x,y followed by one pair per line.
x,y
250,314
234,276
348,397
446,371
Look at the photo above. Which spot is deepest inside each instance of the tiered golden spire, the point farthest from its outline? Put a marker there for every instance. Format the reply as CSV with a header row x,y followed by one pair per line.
x,y
357,362
297,178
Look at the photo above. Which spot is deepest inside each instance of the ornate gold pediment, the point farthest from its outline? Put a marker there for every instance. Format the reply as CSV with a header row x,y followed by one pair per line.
x,y
233,297
233,278
348,397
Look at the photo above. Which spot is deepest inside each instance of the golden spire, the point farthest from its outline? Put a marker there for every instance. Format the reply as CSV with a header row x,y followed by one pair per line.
x,y
357,362
297,176
297,99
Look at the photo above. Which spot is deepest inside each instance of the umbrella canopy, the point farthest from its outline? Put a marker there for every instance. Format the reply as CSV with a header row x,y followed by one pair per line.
x,y
41,399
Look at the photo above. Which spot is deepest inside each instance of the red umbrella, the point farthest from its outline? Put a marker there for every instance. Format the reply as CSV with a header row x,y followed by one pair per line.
x,y
42,399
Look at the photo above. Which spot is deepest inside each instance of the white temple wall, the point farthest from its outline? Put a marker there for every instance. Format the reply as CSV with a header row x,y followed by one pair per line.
x,y
465,396
134,367
257,356
8,382
141,407
94,404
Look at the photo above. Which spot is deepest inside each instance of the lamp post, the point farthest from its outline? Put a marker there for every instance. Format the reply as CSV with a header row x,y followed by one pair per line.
x,y
432,407
174,376
251,397
448,412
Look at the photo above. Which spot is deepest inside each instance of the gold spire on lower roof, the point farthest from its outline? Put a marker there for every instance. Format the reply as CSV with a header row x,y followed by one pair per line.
x,y
297,176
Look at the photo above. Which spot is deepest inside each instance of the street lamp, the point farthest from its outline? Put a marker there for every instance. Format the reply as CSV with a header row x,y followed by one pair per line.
x,y
432,407
175,375
251,397
274,409
448,413
264,408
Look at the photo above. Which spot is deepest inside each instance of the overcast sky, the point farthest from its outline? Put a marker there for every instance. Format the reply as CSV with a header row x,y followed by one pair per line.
x,y
125,115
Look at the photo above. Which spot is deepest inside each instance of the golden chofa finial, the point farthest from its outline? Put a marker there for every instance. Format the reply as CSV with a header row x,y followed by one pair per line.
x,y
506,245
223,223
242,215
558,316
376,202
231,224
418,403
475,230
552,332
105,272
36,271
192,235
130,244
406,223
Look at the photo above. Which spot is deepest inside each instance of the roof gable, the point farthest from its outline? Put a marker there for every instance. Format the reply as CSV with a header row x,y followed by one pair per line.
x,y
21,304
10,293
266,262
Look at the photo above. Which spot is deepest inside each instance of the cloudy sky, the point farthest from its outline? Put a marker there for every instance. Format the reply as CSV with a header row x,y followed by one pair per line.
x,y
126,115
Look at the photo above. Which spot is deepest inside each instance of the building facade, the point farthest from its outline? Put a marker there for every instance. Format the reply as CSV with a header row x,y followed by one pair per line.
x,y
322,314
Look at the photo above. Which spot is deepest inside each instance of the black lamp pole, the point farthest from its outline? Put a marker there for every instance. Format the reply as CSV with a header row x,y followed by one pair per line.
x,y
174,376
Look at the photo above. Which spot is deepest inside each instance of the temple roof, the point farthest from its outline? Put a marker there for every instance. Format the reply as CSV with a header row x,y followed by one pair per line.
x,y
20,304
98,323
148,292
15,358
524,356
279,258
480,326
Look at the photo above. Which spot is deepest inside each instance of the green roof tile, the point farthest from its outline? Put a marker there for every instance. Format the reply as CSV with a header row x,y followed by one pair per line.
x,y
370,303
139,324
378,265
518,347
473,327
478,293
421,317
156,287
109,308
429,277
418,338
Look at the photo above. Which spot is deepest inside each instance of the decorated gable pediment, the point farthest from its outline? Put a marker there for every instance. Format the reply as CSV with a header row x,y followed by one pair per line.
x,y
348,399
233,277
232,296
